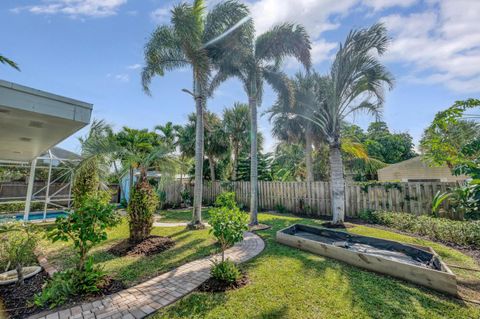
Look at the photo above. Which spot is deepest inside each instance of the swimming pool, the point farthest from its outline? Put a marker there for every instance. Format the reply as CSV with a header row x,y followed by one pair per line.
x,y
34,216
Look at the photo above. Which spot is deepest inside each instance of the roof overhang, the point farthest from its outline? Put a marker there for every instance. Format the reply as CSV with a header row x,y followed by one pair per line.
x,y
33,121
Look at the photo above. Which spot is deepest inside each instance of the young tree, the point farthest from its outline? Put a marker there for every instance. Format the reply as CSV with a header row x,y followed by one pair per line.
x,y
198,39
259,62
355,83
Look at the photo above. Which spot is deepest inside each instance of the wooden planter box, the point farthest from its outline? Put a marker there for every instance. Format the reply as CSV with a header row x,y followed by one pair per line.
x,y
425,267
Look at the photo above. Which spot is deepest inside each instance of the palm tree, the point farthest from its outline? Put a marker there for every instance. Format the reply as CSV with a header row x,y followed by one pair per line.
x,y
355,83
293,128
9,62
260,62
197,39
138,151
168,133
216,141
237,126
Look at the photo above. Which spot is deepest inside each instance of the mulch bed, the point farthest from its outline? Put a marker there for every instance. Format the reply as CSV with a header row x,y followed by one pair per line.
x,y
18,300
150,246
215,285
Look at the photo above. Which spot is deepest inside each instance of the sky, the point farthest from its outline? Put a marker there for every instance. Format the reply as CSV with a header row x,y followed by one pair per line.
x,y
92,50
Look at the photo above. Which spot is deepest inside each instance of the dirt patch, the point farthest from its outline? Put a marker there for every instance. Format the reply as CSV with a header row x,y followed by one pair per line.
x,y
18,300
215,285
150,246
338,226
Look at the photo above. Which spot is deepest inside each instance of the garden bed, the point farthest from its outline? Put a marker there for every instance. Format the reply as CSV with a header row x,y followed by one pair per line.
x,y
215,285
150,246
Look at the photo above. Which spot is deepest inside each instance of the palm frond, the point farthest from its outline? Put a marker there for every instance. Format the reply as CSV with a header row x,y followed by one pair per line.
x,y
5,60
284,40
163,52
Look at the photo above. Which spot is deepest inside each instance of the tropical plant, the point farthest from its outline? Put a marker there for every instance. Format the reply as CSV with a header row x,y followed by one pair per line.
x,y
237,127
199,39
355,83
168,134
256,63
18,242
216,141
5,60
86,226
437,201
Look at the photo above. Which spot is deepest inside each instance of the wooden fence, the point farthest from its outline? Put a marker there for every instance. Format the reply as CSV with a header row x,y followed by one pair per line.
x,y
314,198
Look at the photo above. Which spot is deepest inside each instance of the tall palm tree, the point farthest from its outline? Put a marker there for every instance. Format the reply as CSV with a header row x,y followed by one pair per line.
x,y
197,39
5,60
293,128
260,62
356,83
168,133
237,126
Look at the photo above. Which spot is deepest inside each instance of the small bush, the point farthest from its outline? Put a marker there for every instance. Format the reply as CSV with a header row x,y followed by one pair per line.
x,y
280,209
225,271
465,233
72,282
19,207
226,200
17,245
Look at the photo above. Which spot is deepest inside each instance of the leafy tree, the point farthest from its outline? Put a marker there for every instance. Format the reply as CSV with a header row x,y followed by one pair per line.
x,y
86,226
355,83
228,225
289,162
200,40
5,60
447,140
387,147
255,63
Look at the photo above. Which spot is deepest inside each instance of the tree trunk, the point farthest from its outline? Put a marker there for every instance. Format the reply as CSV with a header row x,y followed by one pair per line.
x,y
337,184
19,270
252,101
308,154
199,138
235,161
211,163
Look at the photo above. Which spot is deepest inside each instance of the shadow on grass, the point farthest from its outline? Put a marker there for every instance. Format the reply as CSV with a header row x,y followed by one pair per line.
x,y
320,284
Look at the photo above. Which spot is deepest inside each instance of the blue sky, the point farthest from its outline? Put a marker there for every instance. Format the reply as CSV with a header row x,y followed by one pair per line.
x,y
92,50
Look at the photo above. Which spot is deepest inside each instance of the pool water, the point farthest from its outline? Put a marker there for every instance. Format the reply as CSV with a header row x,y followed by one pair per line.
x,y
35,216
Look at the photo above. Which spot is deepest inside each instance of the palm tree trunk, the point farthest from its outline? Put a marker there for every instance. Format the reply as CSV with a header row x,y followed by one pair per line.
x,y
252,101
337,184
211,163
197,192
235,161
308,153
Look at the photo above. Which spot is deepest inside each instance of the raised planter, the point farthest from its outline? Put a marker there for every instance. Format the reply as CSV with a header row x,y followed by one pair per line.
x,y
417,264
10,277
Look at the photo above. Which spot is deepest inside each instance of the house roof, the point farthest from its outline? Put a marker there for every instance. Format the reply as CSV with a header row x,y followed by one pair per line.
x,y
33,121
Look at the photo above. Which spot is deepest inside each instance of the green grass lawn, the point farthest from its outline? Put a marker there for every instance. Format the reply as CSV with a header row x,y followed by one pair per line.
x,y
289,283
189,246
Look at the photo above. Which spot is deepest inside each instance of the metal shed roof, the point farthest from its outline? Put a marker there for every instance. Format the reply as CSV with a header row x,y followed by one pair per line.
x,y
33,121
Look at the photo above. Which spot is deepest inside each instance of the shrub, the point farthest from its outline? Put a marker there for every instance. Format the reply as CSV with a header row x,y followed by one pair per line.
x,y
70,283
17,245
226,200
86,226
19,207
466,233
143,204
225,271
186,197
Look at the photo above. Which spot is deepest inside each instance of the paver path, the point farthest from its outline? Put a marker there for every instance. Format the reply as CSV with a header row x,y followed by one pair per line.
x,y
147,297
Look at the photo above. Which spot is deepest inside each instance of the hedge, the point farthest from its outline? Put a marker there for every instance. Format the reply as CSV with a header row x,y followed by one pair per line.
x,y
464,233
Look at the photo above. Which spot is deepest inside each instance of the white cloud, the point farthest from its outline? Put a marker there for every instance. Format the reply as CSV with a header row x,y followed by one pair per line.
x,y
161,15
135,66
443,41
379,5
75,8
122,77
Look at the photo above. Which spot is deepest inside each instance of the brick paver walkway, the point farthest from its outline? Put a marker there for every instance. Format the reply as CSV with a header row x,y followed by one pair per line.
x,y
145,298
